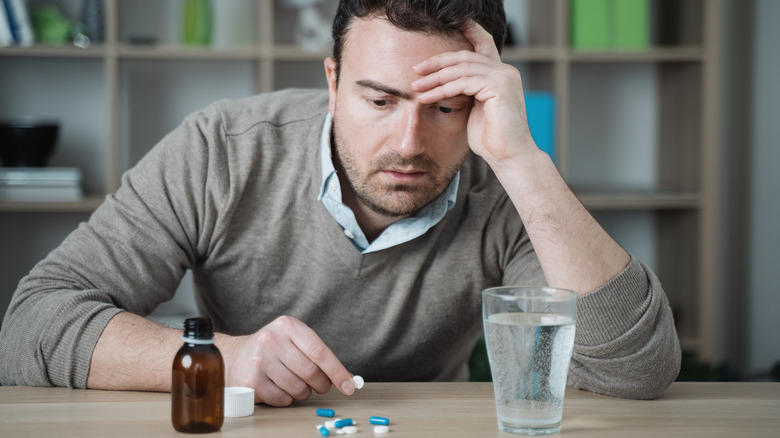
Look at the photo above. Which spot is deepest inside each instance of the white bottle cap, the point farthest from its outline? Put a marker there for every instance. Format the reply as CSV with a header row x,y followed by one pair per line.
x,y
239,402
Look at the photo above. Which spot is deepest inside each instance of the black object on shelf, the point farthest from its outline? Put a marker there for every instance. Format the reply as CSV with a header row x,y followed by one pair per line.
x,y
27,142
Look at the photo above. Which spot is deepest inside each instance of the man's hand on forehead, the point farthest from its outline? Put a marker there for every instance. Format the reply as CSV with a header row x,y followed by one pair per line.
x,y
448,74
497,125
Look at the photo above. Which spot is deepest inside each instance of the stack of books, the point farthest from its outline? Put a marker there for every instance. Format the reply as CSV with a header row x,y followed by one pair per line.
x,y
40,184
15,26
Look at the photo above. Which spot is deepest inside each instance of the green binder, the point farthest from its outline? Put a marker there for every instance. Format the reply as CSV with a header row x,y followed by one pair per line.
x,y
609,24
631,24
590,24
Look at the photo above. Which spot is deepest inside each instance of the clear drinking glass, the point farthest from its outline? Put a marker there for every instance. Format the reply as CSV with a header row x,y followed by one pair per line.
x,y
529,332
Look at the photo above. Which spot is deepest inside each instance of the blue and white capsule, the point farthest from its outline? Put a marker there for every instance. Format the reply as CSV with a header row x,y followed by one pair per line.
x,y
326,413
345,422
379,420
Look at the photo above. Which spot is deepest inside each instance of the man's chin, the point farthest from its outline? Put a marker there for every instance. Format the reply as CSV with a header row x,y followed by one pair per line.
x,y
397,204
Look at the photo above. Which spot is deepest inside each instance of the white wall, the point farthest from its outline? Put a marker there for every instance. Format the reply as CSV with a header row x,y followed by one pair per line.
x,y
764,185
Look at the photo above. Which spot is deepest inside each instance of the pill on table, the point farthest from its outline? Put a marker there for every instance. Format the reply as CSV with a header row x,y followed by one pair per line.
x,y
326,412
324,431
349,430
381,429
344,422
330,424
358,381
379,420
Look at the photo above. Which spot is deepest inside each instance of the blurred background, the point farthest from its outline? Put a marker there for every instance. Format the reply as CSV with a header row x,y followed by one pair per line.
x,y
661,114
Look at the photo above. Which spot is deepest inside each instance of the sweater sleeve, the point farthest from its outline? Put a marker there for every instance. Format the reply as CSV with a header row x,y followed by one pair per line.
x,y
626,344
130,255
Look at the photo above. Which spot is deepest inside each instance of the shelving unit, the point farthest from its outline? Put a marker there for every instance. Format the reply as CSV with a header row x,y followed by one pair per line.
x,y
635,130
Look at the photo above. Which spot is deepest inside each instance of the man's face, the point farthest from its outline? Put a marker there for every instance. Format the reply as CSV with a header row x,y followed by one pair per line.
x,y
397,154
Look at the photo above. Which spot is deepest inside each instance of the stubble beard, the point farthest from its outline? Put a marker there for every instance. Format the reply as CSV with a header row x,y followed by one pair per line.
x,y
391,200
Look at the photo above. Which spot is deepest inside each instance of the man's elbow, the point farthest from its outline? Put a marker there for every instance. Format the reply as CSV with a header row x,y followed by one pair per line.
x,y
657,380
643,376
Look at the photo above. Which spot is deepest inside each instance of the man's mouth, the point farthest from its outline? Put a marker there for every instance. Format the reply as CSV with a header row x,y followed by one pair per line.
x,y
404,176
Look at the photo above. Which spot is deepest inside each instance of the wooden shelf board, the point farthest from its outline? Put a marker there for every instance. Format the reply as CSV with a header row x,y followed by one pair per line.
x,y
675,54
638,200
291,52
541,54
175,52
86,205
52,51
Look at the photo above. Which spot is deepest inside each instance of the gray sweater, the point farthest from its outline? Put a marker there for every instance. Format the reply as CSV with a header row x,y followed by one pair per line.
x,y
232,195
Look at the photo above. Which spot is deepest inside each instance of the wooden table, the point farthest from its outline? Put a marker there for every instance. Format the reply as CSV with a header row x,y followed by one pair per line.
x,y
414,409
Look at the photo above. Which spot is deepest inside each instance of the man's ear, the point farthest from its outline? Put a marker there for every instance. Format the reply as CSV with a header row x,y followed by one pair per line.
x,y
332,78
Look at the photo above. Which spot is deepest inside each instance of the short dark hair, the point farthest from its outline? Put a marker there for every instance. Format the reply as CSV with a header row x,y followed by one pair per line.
x,y
435,17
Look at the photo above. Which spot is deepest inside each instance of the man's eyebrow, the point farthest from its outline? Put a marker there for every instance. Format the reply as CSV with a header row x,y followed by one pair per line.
x,y
374,85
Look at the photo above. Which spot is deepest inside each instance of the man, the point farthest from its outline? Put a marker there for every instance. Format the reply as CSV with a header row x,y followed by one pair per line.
x,y
359,243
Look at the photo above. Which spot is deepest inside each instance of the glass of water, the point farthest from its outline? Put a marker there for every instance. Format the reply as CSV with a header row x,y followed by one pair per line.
x,y
529,332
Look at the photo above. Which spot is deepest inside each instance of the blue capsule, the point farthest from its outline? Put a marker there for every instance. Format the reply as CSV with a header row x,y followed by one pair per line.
x,y
326,412
344,422
324,431
379,420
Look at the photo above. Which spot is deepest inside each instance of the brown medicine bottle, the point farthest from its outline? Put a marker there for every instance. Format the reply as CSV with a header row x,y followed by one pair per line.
x,y
198,385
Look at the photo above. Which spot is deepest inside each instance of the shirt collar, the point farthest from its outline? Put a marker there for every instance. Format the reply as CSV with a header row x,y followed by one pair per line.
x,y
326,160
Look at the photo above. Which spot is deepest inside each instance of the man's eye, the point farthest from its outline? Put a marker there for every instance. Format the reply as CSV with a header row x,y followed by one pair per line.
x,y
445,109
379,102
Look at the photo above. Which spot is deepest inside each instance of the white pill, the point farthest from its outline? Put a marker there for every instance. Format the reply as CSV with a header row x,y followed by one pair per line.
x,y
349,430
340,432
381,429
330,424
359,382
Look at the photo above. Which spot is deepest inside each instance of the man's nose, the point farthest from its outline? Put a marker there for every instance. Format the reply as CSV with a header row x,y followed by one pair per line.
x,y
411,144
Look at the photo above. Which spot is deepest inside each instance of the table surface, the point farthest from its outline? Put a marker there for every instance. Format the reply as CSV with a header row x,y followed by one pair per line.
x,y
414,410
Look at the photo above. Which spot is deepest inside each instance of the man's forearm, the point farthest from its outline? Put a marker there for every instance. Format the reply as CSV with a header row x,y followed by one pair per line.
x,y
133,353
574,251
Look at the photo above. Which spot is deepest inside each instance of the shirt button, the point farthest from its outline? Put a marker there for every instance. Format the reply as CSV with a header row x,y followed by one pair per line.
x,y
349,234
332,186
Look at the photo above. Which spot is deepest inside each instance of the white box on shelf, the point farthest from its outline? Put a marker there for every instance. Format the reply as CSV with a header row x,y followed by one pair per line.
x,y
40,184
38,193
40,175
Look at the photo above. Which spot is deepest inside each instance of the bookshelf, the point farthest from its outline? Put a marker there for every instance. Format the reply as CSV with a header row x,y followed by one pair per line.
x,y
635,129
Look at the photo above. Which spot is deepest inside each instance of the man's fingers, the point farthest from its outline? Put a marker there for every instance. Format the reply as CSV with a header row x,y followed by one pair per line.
x,y
305,370
481,40
451,73
269,393
289,382
307,341
445,60
466,86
